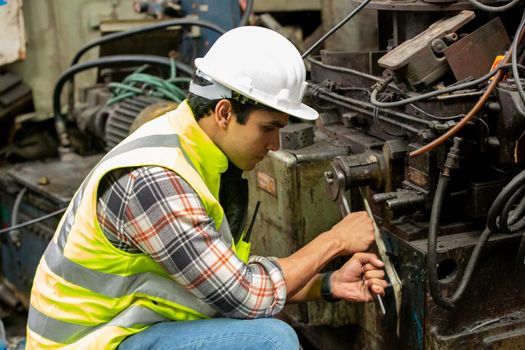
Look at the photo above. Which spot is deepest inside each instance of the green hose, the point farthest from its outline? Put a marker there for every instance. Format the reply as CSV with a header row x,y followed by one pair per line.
x,y
139,83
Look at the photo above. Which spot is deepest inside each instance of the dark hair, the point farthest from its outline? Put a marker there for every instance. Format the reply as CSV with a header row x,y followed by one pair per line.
x,y
203,107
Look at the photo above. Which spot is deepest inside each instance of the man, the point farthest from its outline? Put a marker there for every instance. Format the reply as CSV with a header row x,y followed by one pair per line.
x,y
154,235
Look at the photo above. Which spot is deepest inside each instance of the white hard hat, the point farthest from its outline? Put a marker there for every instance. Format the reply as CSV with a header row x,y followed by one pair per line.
x,y
257,63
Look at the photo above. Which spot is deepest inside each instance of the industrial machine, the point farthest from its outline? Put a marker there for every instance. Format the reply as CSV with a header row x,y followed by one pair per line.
x,y
422,132
425,128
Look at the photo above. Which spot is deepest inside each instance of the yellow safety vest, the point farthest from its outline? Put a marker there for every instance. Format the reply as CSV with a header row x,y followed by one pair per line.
x,y
88,294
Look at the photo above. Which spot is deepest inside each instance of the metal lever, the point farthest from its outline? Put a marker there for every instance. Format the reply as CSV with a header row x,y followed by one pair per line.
x,y
336,181
369,211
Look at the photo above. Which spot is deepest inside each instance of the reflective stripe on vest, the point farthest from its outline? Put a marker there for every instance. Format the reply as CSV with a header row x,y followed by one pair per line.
x,y
147,141
68,333
141,295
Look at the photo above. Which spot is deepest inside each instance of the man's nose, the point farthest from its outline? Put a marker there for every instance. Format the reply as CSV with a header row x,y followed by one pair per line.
x,y
273,145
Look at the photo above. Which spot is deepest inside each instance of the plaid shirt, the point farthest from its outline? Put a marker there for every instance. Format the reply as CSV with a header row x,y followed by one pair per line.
x,y
154,211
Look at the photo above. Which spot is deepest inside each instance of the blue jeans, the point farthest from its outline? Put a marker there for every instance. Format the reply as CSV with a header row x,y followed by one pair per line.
x,y
218,333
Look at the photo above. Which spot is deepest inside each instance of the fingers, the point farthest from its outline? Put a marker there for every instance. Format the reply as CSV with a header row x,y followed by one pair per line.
x,y
376,285
374,274
356,231
369,261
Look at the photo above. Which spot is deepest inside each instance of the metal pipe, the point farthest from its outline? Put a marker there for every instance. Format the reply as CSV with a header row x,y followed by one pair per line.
x,y
369,113
164,24
336,27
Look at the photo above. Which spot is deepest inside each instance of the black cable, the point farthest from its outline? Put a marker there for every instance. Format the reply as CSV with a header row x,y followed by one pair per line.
x,y
508,208
518,212
452,88
336,27
502,8
321,92
420,110
448,303
106,61
116,36
436,117
497,222
522,57
514,59
380,127
472,83
33,221
437,204
504,199
435,215
247,12
354,105
120,35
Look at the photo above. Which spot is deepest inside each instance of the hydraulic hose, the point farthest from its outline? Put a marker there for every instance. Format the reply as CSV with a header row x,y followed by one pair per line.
x,y
500,210
500,219
437,204
107,61
507,213
432,243
514,60
120,35
502,8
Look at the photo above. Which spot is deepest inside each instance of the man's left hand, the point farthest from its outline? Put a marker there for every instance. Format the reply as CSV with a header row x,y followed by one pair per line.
x,y
358,278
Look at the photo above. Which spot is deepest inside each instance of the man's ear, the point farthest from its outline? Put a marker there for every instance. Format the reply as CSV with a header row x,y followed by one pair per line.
x,y
223,113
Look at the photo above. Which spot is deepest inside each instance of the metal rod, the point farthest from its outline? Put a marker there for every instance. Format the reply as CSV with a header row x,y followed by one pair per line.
x,y
336,27
369,211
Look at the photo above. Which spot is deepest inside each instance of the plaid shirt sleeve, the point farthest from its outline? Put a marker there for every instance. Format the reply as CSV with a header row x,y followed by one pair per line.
x,y
153,210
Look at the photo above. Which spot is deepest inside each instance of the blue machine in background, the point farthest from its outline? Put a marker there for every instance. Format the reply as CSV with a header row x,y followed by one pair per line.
x,y
226,14
196,42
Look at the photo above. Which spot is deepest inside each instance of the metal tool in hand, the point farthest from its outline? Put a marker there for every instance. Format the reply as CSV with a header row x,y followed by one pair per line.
x,y
337,186
369,211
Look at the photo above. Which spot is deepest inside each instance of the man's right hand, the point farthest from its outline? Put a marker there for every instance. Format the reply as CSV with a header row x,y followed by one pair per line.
x,y
355,231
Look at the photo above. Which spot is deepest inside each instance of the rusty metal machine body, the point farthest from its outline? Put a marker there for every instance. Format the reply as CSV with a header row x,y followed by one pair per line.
x,y
459,276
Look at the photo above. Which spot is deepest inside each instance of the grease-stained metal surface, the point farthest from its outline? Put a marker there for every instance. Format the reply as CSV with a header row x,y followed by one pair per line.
x,y
63,177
